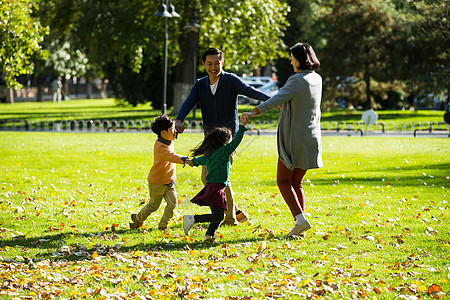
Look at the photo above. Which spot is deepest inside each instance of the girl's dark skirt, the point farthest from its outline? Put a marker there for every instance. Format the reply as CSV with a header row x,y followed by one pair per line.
x,y
212,194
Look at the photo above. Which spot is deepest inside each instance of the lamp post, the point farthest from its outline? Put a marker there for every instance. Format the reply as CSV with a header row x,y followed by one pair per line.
x,y
166,11
194,27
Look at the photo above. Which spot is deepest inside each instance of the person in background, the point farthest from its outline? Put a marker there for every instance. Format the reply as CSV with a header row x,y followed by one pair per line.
x,y
299,133
56,88
217,95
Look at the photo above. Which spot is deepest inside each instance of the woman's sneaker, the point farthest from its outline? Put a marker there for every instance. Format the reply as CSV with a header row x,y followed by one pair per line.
x,y
298,229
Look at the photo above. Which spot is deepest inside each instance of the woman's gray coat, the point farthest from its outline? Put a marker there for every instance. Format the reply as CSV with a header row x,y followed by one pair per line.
x,y
299,134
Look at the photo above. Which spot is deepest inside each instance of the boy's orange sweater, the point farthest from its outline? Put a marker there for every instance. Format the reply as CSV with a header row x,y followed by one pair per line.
x,y
163,170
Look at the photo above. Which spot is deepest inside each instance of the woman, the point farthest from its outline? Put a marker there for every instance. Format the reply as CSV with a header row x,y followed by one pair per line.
x,y
299,135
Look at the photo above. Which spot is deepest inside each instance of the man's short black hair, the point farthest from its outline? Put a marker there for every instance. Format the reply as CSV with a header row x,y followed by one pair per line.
x,y
163,122
212,51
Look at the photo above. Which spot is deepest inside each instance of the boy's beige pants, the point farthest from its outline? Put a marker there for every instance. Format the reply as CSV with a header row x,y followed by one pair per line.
x,y
157,193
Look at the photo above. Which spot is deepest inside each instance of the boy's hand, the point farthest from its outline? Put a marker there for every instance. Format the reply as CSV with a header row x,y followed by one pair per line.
x,y
189,162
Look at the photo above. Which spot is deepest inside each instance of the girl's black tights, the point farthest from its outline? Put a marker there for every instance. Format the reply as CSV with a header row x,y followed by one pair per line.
x,y
214,218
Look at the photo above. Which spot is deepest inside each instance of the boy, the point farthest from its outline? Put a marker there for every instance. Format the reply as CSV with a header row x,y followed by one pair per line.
x,y
162,175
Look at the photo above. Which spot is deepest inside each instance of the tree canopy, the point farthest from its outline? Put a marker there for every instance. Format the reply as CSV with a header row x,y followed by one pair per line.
x,y
20,37
371,45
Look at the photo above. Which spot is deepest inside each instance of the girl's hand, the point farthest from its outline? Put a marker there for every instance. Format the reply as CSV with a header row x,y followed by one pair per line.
x,y
248,115
244,119
189,162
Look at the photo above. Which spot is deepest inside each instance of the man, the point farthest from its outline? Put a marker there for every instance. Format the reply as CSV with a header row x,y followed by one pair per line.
x,y
217,95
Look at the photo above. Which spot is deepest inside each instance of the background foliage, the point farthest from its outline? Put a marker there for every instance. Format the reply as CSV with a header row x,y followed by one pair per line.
x,y
374,53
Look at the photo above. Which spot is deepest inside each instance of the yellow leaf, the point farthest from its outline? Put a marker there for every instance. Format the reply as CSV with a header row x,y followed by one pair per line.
x,y
94,255
192,296
421,288
230,277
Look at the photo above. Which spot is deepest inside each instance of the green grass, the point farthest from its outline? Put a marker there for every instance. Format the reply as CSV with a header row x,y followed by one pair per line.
x,y
108,110
379,210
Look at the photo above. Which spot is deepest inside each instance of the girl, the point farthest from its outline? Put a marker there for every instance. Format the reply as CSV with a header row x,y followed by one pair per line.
x,y
215,151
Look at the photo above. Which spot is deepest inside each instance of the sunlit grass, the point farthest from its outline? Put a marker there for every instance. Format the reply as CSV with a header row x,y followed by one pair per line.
x,y
379,210
109,109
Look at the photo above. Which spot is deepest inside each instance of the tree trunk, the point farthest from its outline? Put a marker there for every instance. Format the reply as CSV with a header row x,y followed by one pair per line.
x,y
88,89
40,89
368,92
186,71
10,95
104,89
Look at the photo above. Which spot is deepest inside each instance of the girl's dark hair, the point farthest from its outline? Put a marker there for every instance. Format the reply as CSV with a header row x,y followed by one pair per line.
x,y
304,53
163,122
215,139
212,51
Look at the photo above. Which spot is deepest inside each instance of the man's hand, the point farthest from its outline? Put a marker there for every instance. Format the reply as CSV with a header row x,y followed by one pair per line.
x,y
179,126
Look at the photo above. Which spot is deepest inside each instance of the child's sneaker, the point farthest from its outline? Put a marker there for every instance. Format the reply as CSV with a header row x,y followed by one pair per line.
x,y
241,216
136,223
188,222
208,239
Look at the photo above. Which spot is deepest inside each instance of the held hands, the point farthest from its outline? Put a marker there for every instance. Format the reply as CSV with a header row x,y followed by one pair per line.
x,y
245,117
189,162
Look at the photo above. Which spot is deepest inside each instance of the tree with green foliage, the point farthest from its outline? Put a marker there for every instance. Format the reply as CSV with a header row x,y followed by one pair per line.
x,y
302,28
361,41
20,37
423,47
65,58
249,32
125,40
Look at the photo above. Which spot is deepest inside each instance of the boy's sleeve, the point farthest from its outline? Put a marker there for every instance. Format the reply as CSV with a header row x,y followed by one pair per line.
x,y
231,146
199,161
166,154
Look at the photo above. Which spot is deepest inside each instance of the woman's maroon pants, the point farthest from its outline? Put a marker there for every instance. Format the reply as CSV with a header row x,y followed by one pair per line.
x,y
290,184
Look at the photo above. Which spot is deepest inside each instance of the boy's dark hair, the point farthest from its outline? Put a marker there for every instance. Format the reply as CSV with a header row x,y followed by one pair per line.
x,y
216,138
304,53
163,122
212,51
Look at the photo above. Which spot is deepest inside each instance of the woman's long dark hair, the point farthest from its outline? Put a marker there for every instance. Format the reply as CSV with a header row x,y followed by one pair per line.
x,y
216,138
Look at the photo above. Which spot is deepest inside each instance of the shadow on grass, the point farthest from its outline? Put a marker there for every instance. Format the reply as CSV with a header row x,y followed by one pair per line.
x,y
391,176
52,245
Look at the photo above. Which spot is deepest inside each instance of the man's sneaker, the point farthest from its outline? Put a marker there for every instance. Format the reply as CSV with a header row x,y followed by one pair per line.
x,y
188,222
241,216
136,223
208,239
298,229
